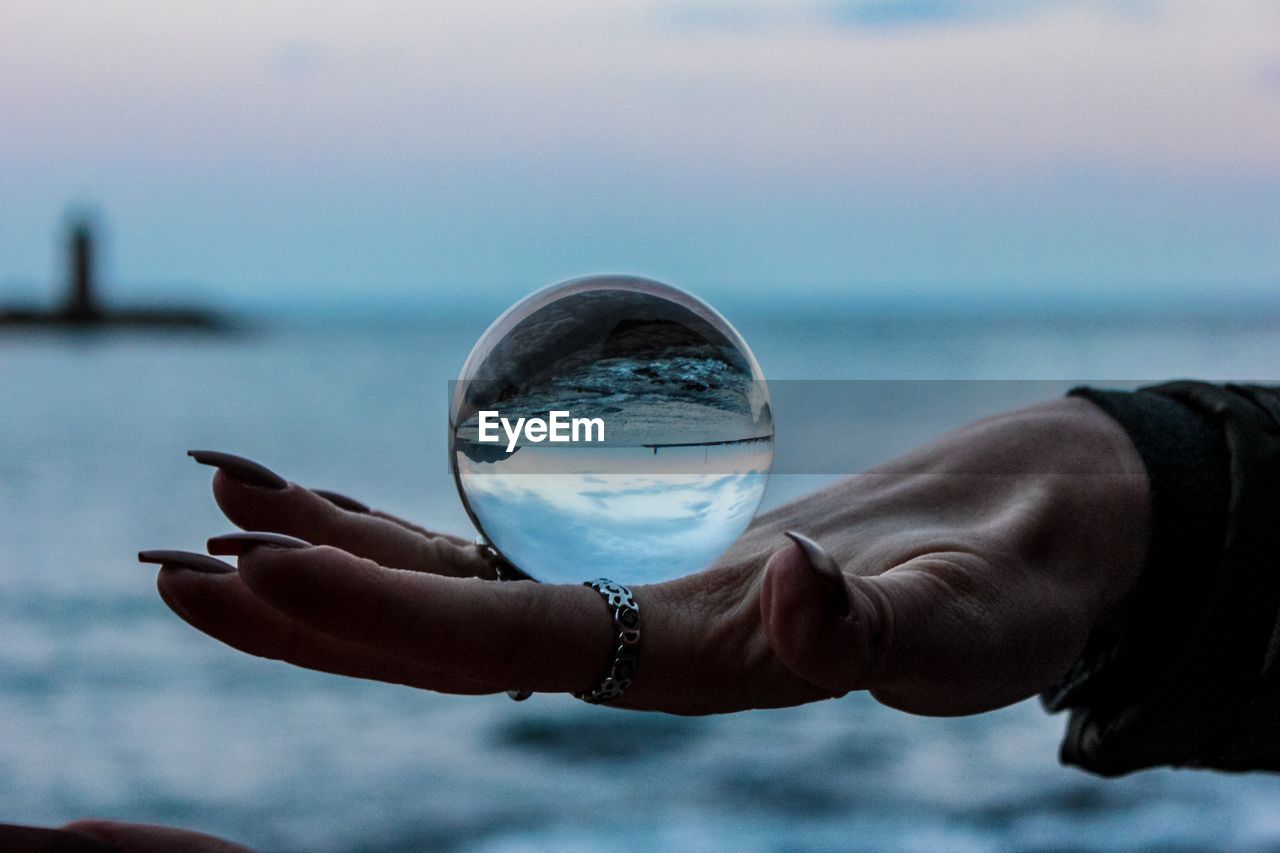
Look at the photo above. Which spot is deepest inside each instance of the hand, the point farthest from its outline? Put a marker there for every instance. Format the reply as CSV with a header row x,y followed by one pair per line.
x,y
108,836
970,573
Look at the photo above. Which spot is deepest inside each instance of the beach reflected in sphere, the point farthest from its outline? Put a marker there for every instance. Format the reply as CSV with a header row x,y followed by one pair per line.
x,y
687,433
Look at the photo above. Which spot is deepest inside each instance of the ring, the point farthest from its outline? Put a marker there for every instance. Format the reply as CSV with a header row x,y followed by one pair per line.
x,y
626,628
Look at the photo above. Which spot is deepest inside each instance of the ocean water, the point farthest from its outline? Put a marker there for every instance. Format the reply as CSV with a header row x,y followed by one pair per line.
x,y
110,706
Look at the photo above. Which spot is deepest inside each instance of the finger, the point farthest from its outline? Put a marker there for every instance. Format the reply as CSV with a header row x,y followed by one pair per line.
x,y
818,627
929,636
520,635
415,528
298,511
343,502
218,603
38,839
148,838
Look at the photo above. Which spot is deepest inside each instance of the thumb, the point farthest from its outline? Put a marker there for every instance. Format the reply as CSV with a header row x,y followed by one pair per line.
x,y
827,627
941,633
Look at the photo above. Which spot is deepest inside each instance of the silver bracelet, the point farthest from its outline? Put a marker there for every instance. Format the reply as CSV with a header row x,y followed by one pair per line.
x,y
626,628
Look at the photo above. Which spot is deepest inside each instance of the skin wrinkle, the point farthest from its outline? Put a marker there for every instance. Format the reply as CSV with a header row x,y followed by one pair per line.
x,y
435,552
503,669
971,615
428,555
504,648
743,648
514,646
760,654
976,596
666,651
263,573
879,634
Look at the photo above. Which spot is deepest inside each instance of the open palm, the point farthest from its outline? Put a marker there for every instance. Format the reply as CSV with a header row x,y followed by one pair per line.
x,y
970,573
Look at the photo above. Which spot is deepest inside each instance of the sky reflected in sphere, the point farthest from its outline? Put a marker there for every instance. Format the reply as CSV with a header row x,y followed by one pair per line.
x,y
687,433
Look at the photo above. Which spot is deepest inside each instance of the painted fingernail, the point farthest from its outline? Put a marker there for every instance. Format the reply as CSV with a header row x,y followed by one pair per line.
x,y
825,568
342,501
234,544
187,560
238,468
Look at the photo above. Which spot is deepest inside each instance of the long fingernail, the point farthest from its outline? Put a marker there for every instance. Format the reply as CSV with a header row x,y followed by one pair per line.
x,y
342,501
826,569
235,544
238,468
187,560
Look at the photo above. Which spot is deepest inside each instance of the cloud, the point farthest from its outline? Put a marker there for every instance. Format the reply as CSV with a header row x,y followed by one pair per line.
x,y
909,13
880,14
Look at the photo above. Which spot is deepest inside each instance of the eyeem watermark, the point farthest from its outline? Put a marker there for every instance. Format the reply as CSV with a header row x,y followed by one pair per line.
x,y
559,427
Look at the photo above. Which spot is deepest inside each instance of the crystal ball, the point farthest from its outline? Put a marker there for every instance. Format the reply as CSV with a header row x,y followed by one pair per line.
x,y
610,427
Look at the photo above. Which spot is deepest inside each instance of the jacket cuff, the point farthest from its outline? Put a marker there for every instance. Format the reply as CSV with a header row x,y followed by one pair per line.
x,y
1185,671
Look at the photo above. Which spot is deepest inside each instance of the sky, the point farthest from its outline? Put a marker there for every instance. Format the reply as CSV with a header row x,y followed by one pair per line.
x,y
402,151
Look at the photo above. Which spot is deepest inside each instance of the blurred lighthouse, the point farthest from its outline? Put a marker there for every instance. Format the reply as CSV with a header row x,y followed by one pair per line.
x,y
81,304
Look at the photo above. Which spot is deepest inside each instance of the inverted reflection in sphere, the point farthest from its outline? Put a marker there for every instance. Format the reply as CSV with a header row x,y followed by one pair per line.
x,y
687,432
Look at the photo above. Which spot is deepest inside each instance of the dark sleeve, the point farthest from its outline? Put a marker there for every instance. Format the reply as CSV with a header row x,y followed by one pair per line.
x,y
1186,671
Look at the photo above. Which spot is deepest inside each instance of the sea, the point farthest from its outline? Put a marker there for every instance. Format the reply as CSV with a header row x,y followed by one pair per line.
x,y
110,706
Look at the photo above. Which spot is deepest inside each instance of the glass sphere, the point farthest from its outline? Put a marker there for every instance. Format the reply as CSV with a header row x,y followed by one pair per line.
x,y
670,427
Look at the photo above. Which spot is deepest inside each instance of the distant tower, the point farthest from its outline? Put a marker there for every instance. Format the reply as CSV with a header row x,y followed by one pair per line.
x,y
81,302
